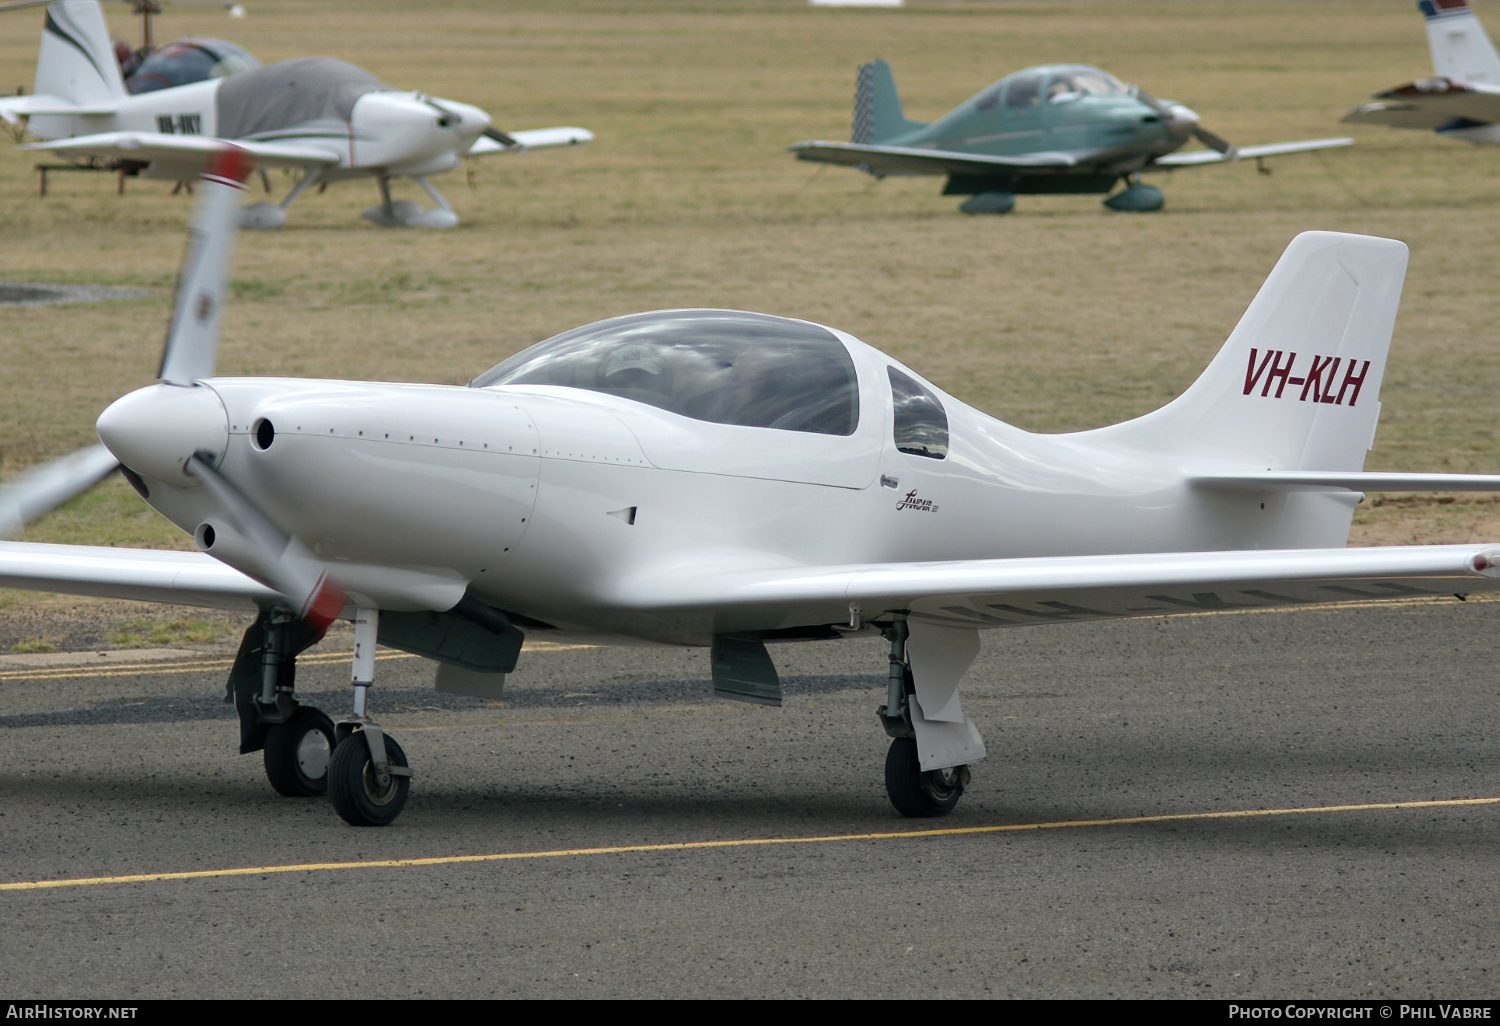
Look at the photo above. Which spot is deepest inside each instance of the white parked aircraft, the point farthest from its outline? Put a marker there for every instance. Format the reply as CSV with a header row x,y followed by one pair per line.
x,y
726,479
1462,99
326,117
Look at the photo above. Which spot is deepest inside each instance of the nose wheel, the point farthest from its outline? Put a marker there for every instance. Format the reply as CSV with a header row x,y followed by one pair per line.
x,y
297,753
364,793
918,794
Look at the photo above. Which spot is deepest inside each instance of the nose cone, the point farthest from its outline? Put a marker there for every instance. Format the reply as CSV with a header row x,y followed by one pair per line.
x,y
154,430
464,122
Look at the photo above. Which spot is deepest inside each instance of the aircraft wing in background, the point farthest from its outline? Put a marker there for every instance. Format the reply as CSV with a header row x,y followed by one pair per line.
x,y
1434,103
187,154
910,160
1197,157
530,139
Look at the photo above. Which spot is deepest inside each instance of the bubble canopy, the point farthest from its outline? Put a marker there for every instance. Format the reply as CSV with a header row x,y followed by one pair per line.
x,y
720,366
189,60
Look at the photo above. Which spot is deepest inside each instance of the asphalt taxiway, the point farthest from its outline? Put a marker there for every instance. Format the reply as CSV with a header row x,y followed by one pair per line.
x,y
1301,804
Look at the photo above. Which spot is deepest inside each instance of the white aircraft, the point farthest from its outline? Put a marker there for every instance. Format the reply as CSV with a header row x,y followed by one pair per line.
x,y
726,479
1462,99
326,117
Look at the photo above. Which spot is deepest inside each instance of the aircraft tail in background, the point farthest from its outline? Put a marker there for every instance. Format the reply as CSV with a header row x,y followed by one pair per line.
x,y
1461,49
77,63
877,106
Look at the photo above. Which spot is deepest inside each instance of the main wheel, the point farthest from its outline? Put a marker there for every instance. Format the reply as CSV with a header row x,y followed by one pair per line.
x,y
356,794
297,753
918,794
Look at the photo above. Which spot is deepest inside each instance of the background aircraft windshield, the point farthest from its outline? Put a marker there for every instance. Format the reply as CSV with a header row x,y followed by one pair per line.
x,y
721,366
189,60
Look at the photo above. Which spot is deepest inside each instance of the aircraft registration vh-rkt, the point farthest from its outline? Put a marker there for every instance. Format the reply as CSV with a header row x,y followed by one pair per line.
x,y
1059,128
325,117
726,479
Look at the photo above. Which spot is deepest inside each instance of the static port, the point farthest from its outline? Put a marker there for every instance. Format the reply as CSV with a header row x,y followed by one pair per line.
x,y
264,433
204,536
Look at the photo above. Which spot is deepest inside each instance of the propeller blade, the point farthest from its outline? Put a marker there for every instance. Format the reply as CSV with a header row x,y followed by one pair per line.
x,y
193,337
1214,142
284,561
50,485
502,138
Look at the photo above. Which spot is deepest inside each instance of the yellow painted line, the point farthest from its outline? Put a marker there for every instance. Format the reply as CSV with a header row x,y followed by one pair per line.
x,y
749,842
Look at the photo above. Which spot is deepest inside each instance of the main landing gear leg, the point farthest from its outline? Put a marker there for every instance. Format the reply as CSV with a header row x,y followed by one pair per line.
x,y
300,740
368,777
912,791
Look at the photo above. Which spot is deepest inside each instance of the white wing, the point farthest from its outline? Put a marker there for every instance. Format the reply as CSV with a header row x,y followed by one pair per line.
x,y
187,154
1018,592
531,139
146,575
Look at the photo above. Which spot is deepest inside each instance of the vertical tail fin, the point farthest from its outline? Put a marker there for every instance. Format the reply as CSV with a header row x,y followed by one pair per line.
x,y
1297,385
877,106
1460,47
77,62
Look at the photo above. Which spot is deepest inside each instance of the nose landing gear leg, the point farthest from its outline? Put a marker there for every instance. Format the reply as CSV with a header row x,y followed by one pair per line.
x,y
368,777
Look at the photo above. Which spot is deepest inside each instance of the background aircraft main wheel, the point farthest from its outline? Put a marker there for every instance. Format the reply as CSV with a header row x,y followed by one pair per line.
x,y
297,753
352,786
919,794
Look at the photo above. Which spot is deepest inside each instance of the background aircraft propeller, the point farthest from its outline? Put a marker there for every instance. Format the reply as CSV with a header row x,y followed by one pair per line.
x,y
1176,115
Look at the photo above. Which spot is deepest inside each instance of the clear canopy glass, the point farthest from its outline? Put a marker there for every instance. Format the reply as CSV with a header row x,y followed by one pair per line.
x,y
720,366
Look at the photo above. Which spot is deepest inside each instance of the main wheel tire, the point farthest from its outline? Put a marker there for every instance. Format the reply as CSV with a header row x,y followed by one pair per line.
x,y
298,752
918,794
352,785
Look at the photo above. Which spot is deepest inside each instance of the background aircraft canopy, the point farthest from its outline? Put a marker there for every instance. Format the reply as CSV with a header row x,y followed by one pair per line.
x,y
189,60
292,92
720,366
1051,83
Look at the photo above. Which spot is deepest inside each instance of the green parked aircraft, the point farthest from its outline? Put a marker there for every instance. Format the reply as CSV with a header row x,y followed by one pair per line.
x,y
1059,128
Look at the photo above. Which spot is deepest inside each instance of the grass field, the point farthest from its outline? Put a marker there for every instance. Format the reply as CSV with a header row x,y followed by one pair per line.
x,y
1060,316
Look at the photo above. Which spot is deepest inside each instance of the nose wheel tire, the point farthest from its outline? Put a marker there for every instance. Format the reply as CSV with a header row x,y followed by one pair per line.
x,y
918,794
298,752
357,795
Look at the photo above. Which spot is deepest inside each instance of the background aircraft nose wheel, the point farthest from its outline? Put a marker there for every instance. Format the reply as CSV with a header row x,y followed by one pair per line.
x,y
357,796
298,752
918,794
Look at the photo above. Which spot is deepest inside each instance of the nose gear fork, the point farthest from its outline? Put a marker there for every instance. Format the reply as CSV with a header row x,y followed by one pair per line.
x,y
368,776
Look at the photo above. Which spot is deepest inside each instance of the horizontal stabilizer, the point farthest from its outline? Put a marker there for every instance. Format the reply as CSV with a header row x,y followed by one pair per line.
x,y
14,108
1430,103
1247,153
